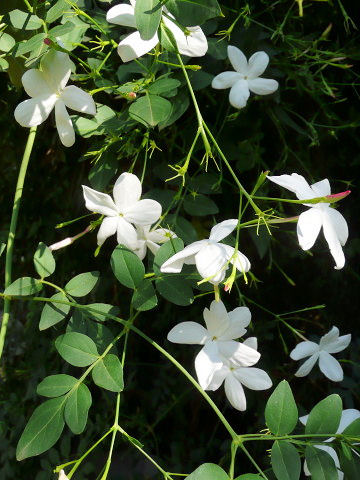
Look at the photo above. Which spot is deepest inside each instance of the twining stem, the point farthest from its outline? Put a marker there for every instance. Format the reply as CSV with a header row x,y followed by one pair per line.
x,y
12,231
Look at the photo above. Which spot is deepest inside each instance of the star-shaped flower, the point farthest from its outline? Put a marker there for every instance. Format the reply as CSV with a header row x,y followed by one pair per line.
x,y
150,239
348,416
246,77
329,343
218,340
319,215
210,257
48,89
126,209
133,46
235,374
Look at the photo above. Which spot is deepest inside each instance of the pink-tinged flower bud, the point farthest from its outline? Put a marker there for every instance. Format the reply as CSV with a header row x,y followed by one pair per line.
x,y
47,41
131,95
61,244
339,196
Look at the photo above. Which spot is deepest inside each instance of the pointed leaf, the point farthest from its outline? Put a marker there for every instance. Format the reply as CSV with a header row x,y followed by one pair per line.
x,y
285,461
24,286
108,374
42,430
208,471
320,464
56,385
44,261
167,250
53,313
82,284
193,12
150,110
144,297
325,416
127,267
281,413
176,290
147,17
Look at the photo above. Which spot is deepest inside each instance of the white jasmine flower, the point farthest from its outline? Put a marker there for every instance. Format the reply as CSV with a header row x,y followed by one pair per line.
x,y
218,340
133,46
210,257
62,475
237,374
246,77
126,209
329,343
348,416
48,89
319,215
150,239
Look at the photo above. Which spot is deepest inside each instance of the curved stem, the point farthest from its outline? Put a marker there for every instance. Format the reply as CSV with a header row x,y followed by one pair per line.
x,y
12,231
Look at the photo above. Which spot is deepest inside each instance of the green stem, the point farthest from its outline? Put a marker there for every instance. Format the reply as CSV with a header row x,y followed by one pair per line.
x,y
234,447
247,453
114,432
12,231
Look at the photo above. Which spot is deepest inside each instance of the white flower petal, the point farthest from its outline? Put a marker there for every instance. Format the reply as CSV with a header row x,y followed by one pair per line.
x,y
339,224
304,349
308,227
62,475
237,60
251,342
107,228
322,188
222,229
239,94
263,86
218,378
240,261
160,235
190,333
122,14
126,234
330,367
143,212
239,320
140,249
253,378
337,346
257,64
99,202
235,393
127,190
216,319
307,366
56,67
133,46
225,80
64,124
207,362
329,337
348,416
295,183
330,234
35,84
239,353
211,261
78,100
35,111
152,246
192,45
175,263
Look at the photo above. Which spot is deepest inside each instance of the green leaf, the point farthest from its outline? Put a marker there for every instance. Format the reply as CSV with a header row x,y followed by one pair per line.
x,y
82,284
108,374
349,464
167,250
285,461
42,430
147,17
281,413
353,430
176,290
56,11
249,476
103,170
144,297
193,12
179,105
167,39
200,205
77,408
127,267
77,349
24,286
24,21
100,307
2,248
182,227
320,464
56,385
208,471
325,416
61,30
53,313
150,110
44,261
35,44
163,85
6,42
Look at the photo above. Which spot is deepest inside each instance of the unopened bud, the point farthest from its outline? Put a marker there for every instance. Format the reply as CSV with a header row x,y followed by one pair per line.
x,y
338,196
131,95
47,41
61,244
